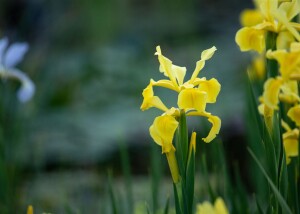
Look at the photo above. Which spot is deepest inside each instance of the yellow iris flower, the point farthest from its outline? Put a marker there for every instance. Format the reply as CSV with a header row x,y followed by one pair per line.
x,y
30,210
269,15
276,89
290,142
206,207
193,95
289,61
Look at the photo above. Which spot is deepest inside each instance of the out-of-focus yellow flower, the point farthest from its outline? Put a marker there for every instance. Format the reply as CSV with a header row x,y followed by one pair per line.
x,y
294,114
290,142
30,210
270,15
276,90
257,70
251,17
206,207
289,62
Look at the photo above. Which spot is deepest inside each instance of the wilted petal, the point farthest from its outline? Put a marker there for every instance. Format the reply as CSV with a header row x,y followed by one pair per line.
x,y
192,98
15,54
250,39
162,131
294,114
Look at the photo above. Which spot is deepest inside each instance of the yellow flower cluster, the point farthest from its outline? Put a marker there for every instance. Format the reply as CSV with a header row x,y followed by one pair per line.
x,y
193,95
276,16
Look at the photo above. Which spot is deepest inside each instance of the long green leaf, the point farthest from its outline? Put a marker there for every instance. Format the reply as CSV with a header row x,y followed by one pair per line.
x,y
166,210
112,194
279,197
190,179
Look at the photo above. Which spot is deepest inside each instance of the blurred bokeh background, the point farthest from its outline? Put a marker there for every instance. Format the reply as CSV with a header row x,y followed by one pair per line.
x,y
90,61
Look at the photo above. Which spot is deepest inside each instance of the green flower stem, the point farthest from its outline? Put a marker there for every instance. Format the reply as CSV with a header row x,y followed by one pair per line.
x,y
271,64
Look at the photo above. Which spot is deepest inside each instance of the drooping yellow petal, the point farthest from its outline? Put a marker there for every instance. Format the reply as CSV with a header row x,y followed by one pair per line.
x,y
162,131
215,129
150,100
192,98
220,206
271,92
291,144
250,17
212,87
249,38
294,114
205,55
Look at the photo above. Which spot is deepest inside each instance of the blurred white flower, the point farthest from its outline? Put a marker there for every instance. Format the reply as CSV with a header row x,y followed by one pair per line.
x,y
10,56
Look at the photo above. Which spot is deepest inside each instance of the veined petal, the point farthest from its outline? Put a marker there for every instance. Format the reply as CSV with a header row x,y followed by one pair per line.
x,y
205,55
249,38
165,66
294,114
212,87
250,17
192,98
271,92
150,100
162,131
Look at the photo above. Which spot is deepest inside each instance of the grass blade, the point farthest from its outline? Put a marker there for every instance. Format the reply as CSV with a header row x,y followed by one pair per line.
x,y
279,197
